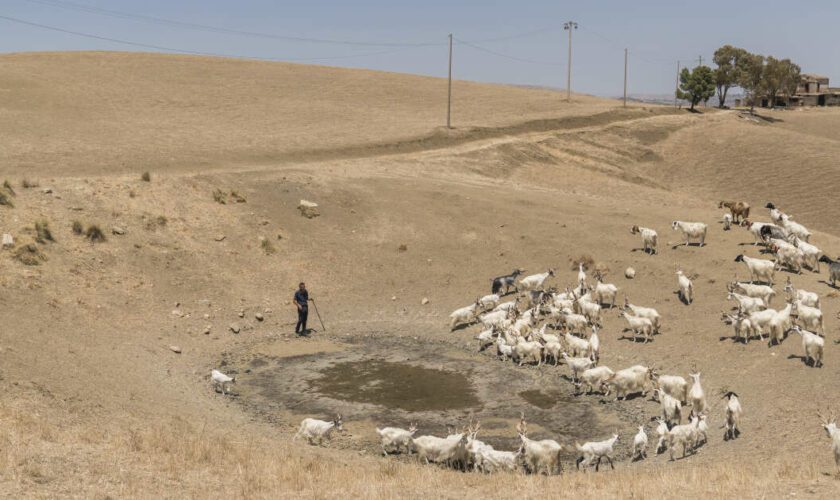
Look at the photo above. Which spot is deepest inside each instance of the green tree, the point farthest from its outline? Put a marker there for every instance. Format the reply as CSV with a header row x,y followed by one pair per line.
x,y
697,85
726,75
750,73
779,76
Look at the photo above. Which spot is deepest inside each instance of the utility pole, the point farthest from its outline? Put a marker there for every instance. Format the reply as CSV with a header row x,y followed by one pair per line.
x,y
569,26
700,60
449,91
677,86
625,78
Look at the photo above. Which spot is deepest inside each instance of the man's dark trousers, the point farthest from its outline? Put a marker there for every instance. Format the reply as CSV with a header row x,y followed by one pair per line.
x,y
303,313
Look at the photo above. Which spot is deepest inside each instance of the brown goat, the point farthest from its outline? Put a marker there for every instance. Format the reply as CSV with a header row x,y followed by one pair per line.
x,y
738,208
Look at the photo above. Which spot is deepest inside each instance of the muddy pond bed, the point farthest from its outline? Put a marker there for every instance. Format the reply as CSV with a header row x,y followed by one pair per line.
x,y
396,381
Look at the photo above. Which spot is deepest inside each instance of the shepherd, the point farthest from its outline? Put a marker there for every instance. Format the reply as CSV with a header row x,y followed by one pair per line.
x,y
301,301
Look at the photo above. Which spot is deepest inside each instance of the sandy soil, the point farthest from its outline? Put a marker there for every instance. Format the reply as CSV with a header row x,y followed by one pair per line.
x,y
529,181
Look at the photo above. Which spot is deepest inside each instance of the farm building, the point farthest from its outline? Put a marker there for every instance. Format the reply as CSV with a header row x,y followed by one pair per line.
x,y
813,90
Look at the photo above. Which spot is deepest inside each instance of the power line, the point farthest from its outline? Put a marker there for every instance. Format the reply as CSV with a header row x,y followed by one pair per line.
x,y
216,29
506,56
188,51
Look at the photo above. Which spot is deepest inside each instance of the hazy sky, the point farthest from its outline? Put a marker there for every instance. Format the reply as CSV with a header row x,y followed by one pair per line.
x,y
658,33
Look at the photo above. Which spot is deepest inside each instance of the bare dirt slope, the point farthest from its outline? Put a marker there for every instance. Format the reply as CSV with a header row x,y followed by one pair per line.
x,y
96,402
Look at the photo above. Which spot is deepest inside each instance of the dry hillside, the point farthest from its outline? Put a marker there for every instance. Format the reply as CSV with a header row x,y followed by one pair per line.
x,y
97,404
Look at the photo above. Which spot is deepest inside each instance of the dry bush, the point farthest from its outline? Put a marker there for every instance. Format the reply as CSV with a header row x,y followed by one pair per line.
x,y
77,228
29,255
6,199
8,187
238,198
154,223
146,177
587,261
267,246
220,196
94,234
42,232
26,184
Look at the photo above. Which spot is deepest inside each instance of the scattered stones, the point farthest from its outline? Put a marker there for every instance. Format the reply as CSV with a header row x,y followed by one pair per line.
x,y
629,273
220,237
47,190
308,209
234,328
424,301
8,240
206,330
394,297
117,230
241,314
259,316
175,349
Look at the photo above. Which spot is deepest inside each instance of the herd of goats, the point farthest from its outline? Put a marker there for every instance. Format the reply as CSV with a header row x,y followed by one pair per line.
x,y
513,329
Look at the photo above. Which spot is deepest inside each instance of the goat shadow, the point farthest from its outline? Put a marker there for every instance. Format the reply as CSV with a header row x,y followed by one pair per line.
x,y
645,250
804,360
834,286
463,326
695,244
682,299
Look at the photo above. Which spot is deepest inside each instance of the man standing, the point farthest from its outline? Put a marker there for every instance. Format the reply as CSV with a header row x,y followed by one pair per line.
x,y
302,303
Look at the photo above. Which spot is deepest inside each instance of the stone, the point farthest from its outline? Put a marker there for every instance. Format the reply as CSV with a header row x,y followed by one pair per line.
x,y
629,273
206,330
234,328
424,301
8,240
259,316
220,237
308,209
117,230
47,190
241,314
175,349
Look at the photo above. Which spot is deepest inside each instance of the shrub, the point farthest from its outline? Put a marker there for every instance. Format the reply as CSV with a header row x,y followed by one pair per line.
x,y
238,198
26,184
220,196
8,187
6,199
77,228
267,246
42,232
94,234
146,177
29,255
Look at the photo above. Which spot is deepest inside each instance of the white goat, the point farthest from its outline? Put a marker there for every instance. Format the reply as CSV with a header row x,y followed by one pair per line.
x,y
755,229
629,381
395,439
813,346
534,281
503,349
733,416
691,230
589,309
577,365
761,320
810,299
441,450
684,435
524,351
581,277
747,304
604,293
639,325
742,325
314,430
830,426
760,269
788,256
696,395
640,443
811,253
727,221
573,322
592,378
486,338
809,317
541,455
662,432
594,345
763,292
794,228
489,301
220,381
672,385
644,312
686,287
596,450
781,323
649,238
464,314
577,346
671,408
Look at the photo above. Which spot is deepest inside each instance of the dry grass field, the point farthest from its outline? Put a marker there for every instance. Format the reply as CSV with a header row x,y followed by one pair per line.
x,y
97,405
